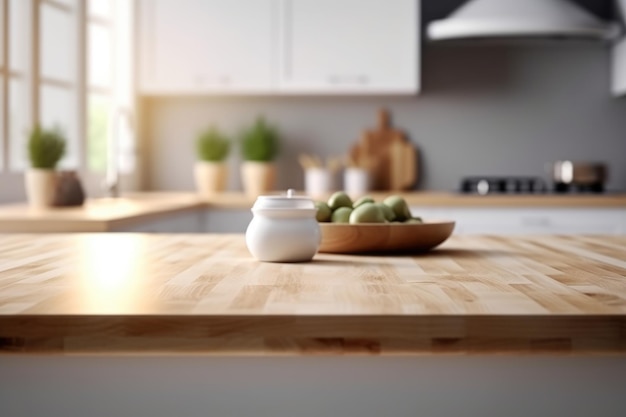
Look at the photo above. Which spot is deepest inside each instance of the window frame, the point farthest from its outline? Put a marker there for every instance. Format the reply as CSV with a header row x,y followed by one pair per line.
x,y
11,182
4,82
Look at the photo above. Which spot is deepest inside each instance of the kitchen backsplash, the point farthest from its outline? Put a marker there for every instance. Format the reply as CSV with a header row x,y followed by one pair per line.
x,y
483,110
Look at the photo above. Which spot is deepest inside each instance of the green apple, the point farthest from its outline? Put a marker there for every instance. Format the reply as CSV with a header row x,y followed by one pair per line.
x,y
387,212
399,207
362,200
414,220
323,211
341,215
339,199
367,213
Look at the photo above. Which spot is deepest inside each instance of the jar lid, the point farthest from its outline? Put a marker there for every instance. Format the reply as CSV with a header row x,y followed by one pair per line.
x,y
281,202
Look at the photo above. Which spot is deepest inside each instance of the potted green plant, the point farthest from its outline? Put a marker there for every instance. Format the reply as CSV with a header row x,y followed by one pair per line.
x,y
260,144
45,149
211,171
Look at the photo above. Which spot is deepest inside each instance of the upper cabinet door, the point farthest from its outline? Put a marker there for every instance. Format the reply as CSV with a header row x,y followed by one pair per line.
x,y
206,46
350,46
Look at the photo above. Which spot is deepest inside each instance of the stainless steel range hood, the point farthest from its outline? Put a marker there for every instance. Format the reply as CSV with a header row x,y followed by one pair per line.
x,y
513,19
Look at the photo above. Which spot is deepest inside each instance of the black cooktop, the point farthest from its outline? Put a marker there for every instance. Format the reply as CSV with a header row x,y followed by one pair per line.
x,y
484,185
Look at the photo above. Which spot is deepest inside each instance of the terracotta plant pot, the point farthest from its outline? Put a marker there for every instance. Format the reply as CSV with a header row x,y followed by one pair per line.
x,y
258,177
40,187
210,177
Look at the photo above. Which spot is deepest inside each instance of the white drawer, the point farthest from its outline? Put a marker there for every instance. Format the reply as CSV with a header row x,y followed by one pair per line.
x,y
529,220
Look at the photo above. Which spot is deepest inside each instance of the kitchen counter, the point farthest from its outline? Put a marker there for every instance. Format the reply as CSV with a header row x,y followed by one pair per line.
x,y
106,214
449,199
94,293
97,215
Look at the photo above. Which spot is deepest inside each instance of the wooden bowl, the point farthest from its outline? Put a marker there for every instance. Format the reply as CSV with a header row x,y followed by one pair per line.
x,y
384,237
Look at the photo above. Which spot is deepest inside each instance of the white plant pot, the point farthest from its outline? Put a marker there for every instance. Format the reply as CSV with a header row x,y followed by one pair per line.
x,y
210,177
257,177
40,187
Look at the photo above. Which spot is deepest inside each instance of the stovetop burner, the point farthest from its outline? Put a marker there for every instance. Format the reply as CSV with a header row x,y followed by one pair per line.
x,y
484,185
503,185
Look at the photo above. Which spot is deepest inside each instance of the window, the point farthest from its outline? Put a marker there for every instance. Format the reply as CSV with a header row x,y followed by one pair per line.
x,y
100,80
17,88
65,63
58,74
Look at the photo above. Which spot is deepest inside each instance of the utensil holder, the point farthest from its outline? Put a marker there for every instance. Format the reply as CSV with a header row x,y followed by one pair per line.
x,y
318,182
356,181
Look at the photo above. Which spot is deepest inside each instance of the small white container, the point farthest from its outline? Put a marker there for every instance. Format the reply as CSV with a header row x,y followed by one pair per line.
x,y
318,182
356,182
283,229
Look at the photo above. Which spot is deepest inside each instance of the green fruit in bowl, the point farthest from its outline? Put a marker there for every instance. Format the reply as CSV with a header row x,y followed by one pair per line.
x,y
387,212
323,212
362,200
339,199
367,213
414,220
399,207
341,215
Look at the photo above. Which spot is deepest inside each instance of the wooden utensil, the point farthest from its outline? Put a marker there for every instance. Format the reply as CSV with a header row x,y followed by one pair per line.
x,y
389,156
333,164
309,161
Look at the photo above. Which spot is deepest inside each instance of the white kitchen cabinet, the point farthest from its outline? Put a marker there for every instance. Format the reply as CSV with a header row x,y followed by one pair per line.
x,y
350,46
227,220
196,221
279,46
207,46
183,222
510,221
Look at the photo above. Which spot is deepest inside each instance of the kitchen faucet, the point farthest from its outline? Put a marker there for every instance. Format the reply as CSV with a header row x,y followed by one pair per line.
x,y
112,176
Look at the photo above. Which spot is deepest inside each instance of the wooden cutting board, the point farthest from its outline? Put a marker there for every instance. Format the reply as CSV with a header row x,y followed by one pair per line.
x,y
389,156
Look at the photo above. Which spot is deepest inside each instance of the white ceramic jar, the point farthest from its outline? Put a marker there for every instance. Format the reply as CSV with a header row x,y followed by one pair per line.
x,y
283,229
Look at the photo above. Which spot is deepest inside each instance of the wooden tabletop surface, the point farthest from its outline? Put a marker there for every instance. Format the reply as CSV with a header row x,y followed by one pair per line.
x,y
205,293
106,214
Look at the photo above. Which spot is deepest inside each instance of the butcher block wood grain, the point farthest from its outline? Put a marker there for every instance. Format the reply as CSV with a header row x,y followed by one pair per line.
x,y
389,156
204,294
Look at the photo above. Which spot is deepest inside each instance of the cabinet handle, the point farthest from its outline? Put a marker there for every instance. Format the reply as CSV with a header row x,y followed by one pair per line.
x,y
201,80
360,79
224,80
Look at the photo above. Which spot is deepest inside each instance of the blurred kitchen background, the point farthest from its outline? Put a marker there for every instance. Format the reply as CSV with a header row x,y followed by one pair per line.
x,y
474,107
